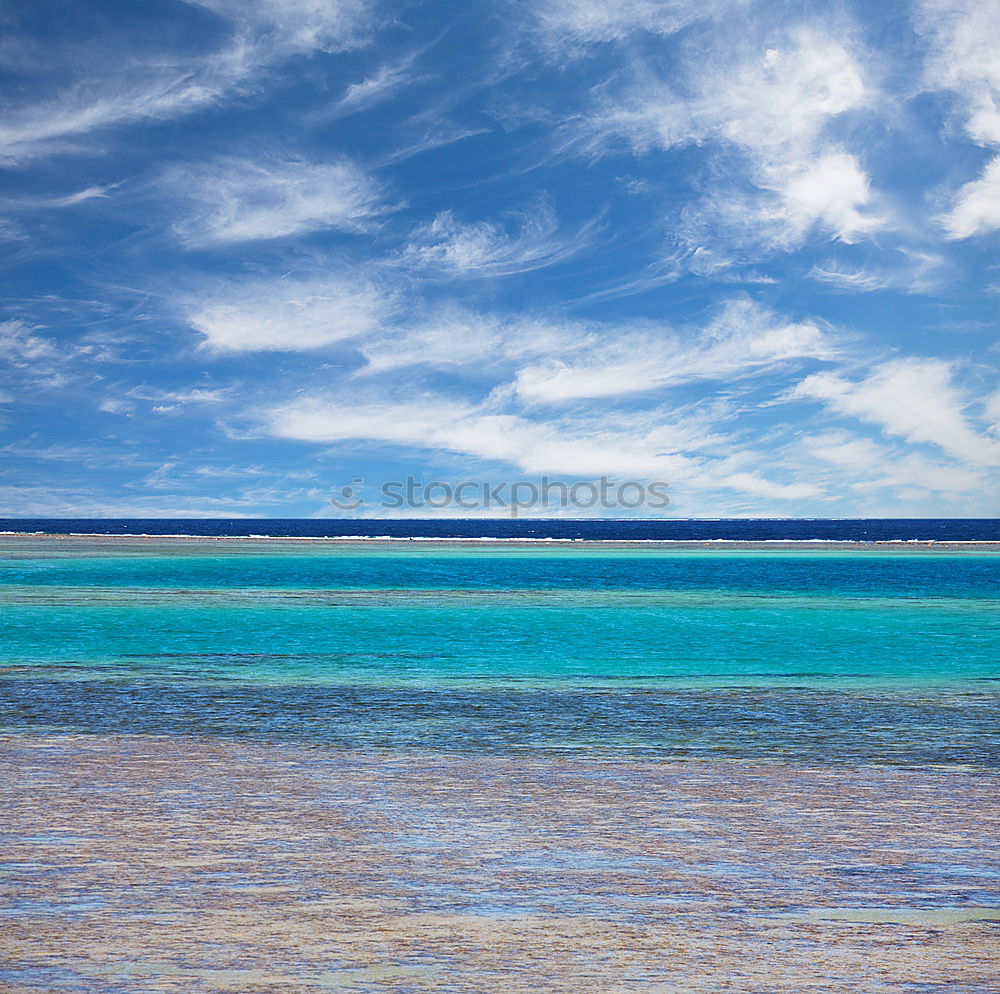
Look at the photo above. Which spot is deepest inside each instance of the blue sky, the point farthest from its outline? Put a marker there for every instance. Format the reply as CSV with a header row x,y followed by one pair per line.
x,y
256,249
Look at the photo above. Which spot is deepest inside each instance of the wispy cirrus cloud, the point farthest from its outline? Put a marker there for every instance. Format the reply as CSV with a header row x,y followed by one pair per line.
x,y
483,431
254,199
89,106
680,445
914,399
567,23
557,360
768,109
161,85
976,210
59,201
32,357
964,57
743,338
866,465
160,401
381,85
908,270
470,343
21,345
528,240
285,315
288,27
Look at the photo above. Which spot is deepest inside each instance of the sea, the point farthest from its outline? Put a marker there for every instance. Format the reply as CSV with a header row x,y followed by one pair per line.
x,y
593,529
606,642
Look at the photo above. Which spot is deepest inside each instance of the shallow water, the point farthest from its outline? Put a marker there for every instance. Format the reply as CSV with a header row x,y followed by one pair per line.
x,y
819,657
282,768
170,865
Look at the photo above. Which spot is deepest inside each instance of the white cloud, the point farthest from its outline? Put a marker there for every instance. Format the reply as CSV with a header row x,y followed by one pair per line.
x,y
977,206
292,26
149,87
831,192
478,431
449,338
964,57
136,94
20,346
742,339
163,476
681,447
115,405
772,109
380,86
286,315
168,401
486,249
57,502
991,411
237,200
914,399
857,280
559,360
864,465
915,272
573,22
759,486
68,200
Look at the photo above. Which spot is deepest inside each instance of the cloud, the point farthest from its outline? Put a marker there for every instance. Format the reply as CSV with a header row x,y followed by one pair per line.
x,y
68,200
977,206
20,346
575,22
830,192
912,398
286,315
991,410
758,486
479,431
93,502
288,27
168,401
386,81
864,465
856,280
915,272
137,93
556,361
164,85
453,338
682,446
438,137
486,249
743,338
115,405
235,200
964,57
768,112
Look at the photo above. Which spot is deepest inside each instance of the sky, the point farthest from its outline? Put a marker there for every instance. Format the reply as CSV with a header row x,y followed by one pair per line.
x,y
256,250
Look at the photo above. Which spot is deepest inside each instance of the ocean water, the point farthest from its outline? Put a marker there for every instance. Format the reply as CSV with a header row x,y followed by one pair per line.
x,y
817,656
605,529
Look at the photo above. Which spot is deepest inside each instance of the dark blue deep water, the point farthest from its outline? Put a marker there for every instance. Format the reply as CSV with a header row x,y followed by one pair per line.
x,y
676,529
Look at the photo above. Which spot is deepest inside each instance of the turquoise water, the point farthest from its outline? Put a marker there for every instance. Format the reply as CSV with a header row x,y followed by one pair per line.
x,y
820,656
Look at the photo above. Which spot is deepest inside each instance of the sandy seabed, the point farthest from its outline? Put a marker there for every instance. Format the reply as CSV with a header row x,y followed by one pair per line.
x,y
145,864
